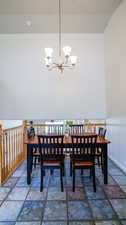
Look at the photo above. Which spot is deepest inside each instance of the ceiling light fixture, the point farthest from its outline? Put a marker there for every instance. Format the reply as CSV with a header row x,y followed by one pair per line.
x,y
64,62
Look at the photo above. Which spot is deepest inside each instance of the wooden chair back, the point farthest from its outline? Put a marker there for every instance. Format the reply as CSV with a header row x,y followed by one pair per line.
x,y
84,147
102,132
51,147
76,129
59,129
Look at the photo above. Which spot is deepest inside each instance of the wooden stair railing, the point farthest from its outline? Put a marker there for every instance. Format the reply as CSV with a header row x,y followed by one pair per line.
x,y
12,151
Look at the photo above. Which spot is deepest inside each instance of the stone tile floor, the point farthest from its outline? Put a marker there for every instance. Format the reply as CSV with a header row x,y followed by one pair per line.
x,y
21,204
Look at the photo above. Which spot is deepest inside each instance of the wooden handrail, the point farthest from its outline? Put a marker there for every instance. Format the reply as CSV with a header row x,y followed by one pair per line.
x,y
46,125
12,128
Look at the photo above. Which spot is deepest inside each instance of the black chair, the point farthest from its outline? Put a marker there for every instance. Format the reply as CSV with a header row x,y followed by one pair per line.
x,y
58,129
83,155
99,156
31,131
101,132
51,155
76,129
31,134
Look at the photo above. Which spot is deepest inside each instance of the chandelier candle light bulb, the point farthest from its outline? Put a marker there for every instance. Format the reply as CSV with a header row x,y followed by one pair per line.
x,y
73,60
48,52
67,51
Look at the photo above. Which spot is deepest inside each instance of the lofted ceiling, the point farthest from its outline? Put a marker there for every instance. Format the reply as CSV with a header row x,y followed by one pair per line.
x,y
26,16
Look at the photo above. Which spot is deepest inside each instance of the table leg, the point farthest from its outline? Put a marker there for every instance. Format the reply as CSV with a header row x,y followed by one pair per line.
x,y
29,155
105,156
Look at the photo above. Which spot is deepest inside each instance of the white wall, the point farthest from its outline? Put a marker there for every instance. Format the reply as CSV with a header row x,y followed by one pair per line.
x,y
116,133
10,123
115,68
115,58
29,92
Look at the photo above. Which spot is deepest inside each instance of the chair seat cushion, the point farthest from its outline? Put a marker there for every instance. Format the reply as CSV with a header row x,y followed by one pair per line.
x,y
36,154
98,153
51,163
83,163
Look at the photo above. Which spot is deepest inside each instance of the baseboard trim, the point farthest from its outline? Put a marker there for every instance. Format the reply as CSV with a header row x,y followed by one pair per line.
x,y
118,164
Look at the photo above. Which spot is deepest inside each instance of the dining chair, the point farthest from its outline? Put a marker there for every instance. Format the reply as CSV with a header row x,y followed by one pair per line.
x,y
99,155
51,155
51,129
76,129
83,155
59,129
30,134
102,132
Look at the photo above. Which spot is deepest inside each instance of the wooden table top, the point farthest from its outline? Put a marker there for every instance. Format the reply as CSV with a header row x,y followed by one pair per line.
x,y
67,140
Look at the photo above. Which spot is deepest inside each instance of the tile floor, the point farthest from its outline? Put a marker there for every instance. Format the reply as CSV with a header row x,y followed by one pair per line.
x,y
21,204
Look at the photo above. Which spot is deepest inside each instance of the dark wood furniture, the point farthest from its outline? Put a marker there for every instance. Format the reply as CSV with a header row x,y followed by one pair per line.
x,y
58,129
67,144
51,155
102,132
99,155
83,155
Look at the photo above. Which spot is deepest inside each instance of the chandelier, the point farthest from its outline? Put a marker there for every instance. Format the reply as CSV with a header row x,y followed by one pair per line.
x,y
63,62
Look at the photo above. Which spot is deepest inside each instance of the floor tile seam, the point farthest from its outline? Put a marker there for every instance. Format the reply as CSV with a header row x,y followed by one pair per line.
x,y
64,201
86,192
90,209
44,207
122,190
18,178
105,192
8,221
17,219
67,207
115,174
55,220
20,210
113,209
109,203
20,199
114,179
27,194
117,166
95,220
14,201
5,199
118,175
102,220
17,171
117,182
116,198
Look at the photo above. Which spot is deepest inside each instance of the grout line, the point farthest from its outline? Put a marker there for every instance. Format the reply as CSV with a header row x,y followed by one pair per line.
x,y
67,200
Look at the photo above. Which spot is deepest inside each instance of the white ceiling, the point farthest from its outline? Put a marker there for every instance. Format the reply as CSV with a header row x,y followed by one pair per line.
x,y
78,15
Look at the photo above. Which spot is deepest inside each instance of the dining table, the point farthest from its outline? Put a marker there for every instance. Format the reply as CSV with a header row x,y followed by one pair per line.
x,y
32,143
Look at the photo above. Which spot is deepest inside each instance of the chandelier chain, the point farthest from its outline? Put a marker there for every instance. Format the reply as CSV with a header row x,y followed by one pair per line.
x,y
60,27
